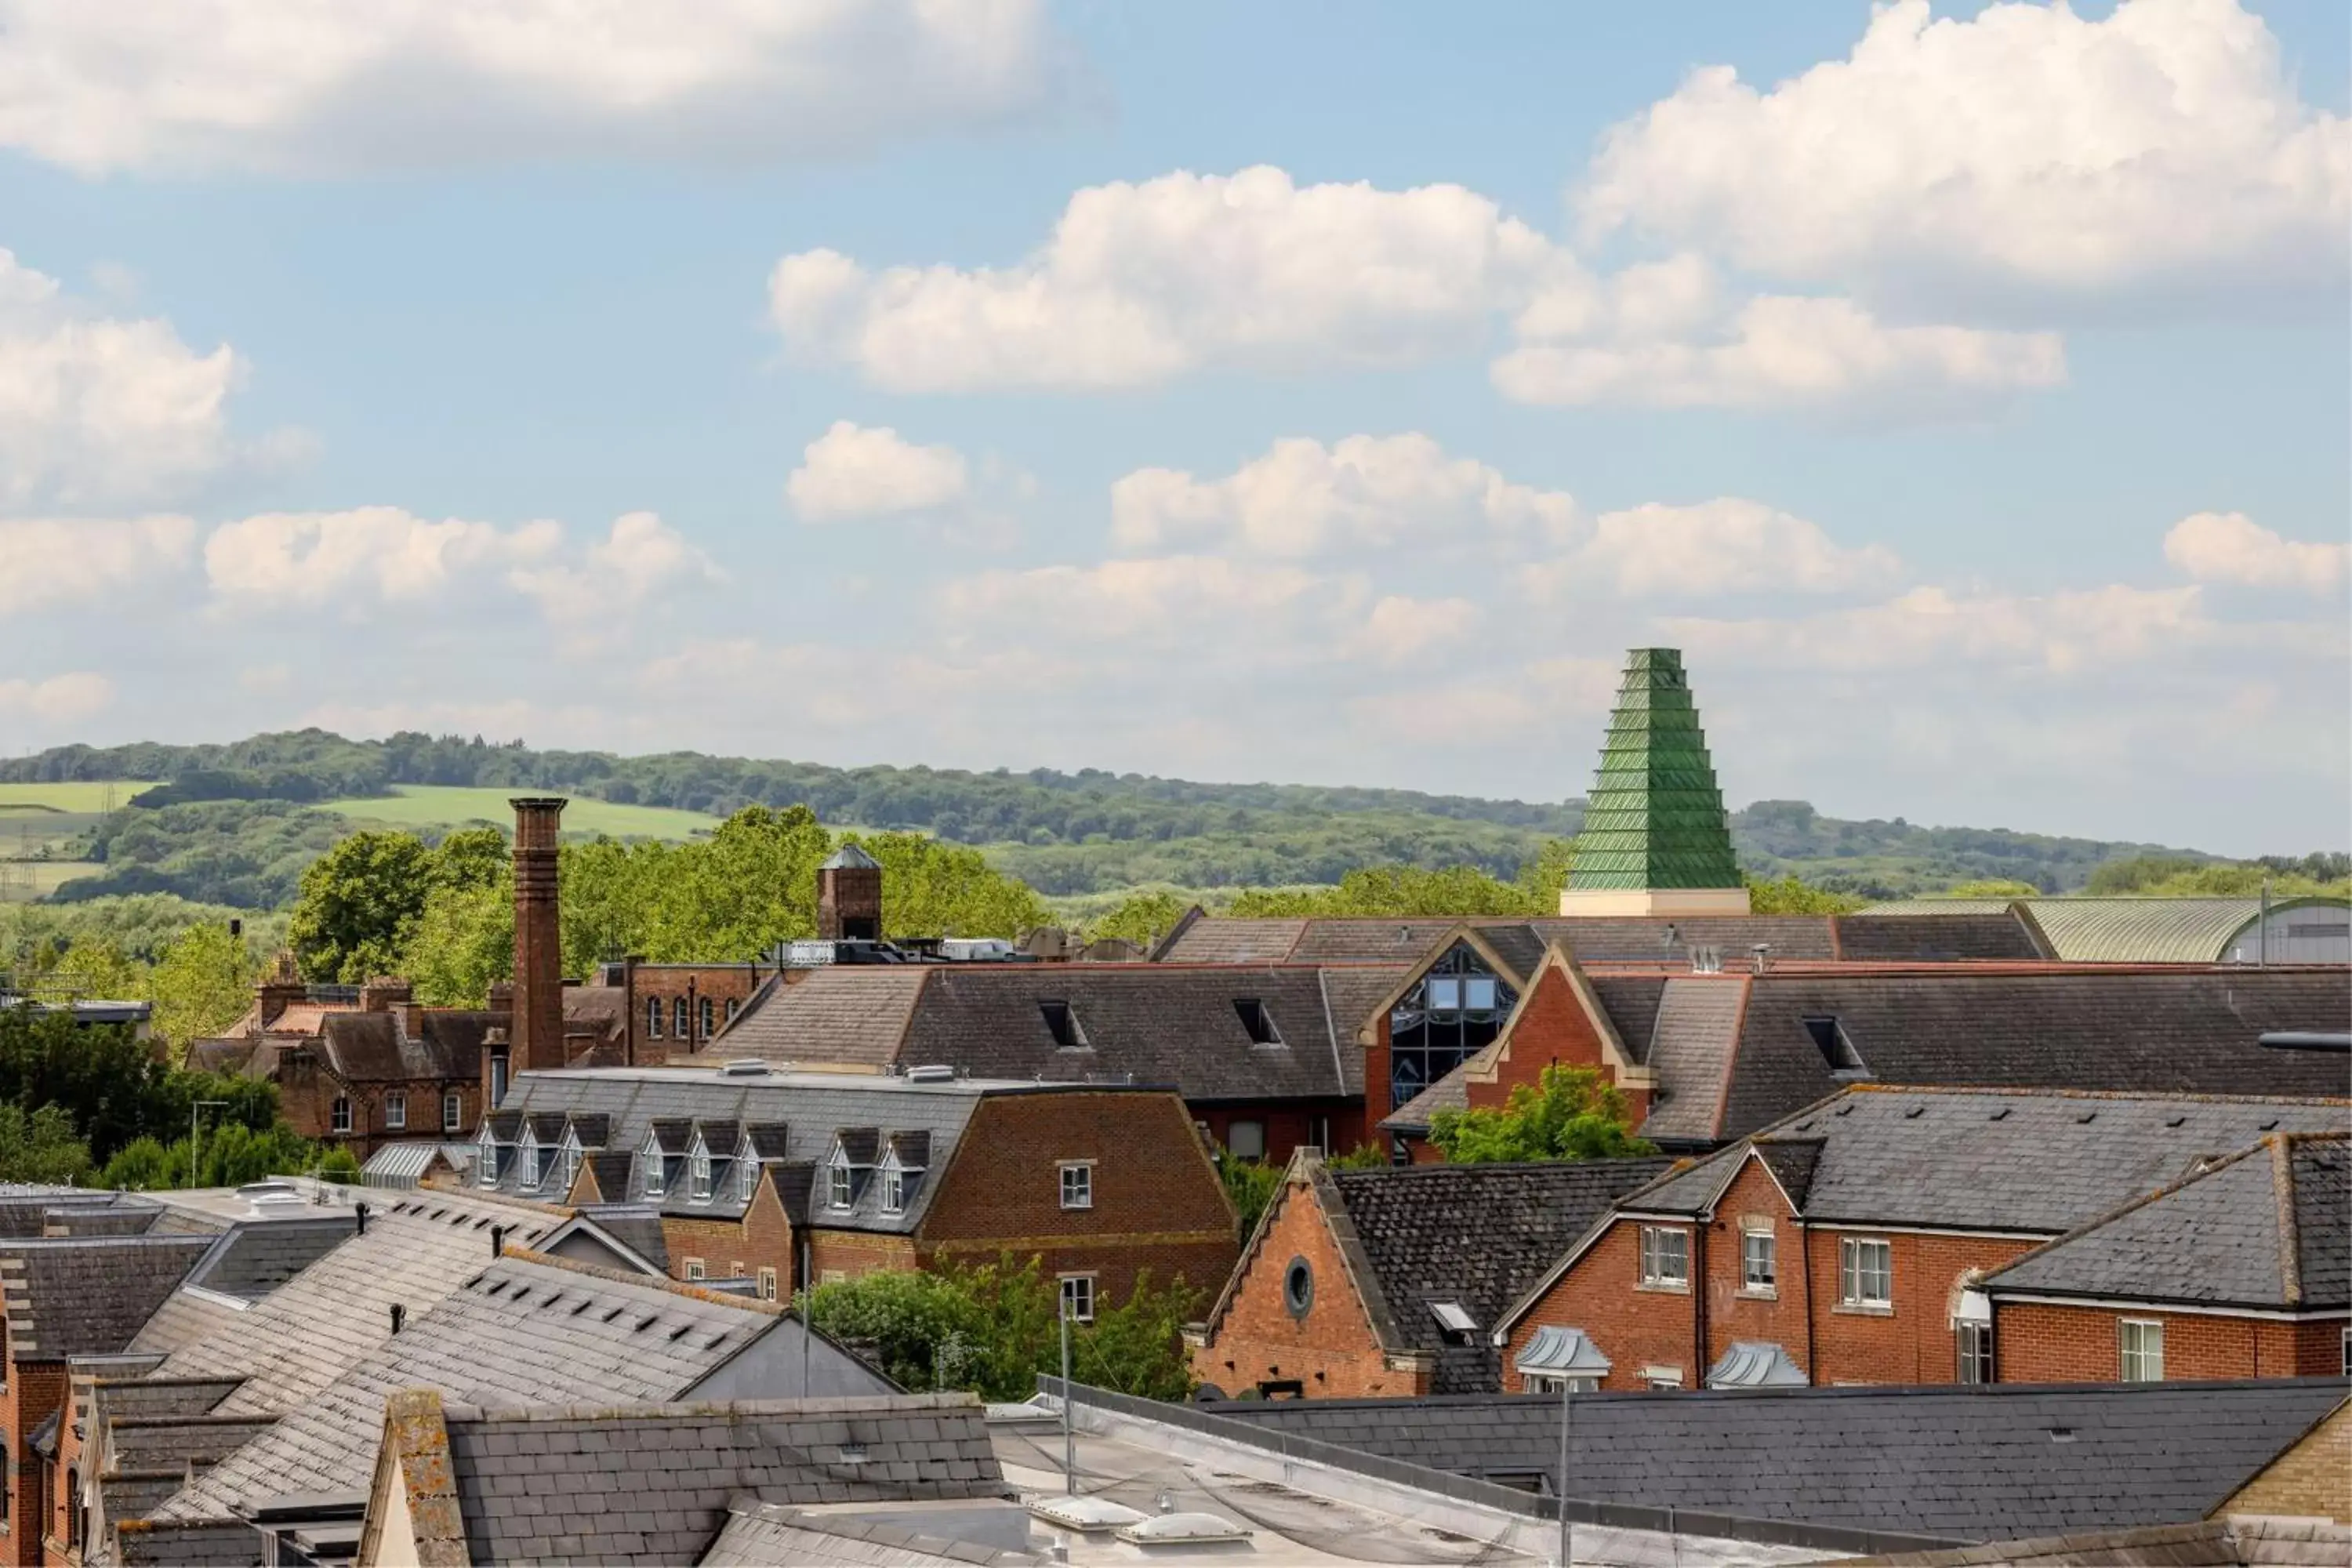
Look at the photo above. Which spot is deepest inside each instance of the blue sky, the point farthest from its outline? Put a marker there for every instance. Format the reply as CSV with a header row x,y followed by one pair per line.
x,y
1324,392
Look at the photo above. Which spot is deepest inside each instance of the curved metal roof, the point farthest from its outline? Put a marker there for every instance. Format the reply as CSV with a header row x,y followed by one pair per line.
x,y
2126,929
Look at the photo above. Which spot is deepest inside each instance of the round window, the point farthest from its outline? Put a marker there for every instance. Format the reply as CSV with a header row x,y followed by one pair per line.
x,y
1298,1287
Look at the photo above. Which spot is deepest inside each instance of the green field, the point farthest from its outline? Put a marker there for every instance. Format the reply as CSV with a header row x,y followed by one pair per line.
x,y
22,881
451,806
31,799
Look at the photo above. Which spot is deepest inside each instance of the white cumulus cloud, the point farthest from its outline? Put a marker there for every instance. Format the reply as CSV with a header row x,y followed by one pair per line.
x,y
304,86
367,557
2026,150
1164,601
1143,282
1727,545
61,698
95,409
2231,547
50,562
2062,632
640,559
853,472
1361,493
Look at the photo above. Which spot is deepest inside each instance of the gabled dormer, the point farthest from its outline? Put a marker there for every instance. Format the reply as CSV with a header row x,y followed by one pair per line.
x,y
905,1157
850,1166
568,1155
486,1158
649,1163
699,1187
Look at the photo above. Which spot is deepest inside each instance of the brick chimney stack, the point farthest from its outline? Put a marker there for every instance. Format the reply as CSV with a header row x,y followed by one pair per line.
x,y
849,897
538,1034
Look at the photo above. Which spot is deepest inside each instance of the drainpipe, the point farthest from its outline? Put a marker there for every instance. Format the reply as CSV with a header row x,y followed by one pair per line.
x,y
1700,1285
1805,1262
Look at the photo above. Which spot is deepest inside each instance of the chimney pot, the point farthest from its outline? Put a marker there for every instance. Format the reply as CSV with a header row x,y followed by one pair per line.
x,y
359,1214
498,1241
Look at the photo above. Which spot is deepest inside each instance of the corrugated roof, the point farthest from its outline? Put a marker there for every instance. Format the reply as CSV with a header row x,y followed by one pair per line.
x,y
2122,930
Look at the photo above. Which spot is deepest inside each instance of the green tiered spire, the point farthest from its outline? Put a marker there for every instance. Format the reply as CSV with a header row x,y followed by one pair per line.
x,y
1655,816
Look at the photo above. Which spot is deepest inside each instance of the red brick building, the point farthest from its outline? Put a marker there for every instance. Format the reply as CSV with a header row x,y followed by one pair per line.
x,y
783,1179
2243,1270
1849,1244
1384,1281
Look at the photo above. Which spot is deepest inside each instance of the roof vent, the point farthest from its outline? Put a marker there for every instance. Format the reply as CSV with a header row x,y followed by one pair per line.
x,y
744,1066
2085,1117
931,1072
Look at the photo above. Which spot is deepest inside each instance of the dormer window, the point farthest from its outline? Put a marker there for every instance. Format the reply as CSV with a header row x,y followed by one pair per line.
x,y
747,1174
485,1163
1257,1022
652,1156
838,1188
569,1154
698,1165
530,1177
893,1186
1062,1022
1830,1037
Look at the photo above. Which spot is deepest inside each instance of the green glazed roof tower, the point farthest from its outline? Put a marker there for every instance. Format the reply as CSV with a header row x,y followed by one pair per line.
x,y
1655,840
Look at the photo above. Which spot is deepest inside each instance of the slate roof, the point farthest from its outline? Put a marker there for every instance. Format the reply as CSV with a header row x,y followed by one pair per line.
x,y
601,1485
2185,1031
809,1107
70,1296
1477,1236
31,1212
1159,1023
1992,933
2239,1541
2013,1160
1983,1462
777,1536
2268,1228
513,1331
373,1048
303,1336
254,1258
635,1226
1690,1054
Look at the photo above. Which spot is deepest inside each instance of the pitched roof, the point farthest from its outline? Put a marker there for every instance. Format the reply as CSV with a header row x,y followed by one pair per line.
x,y
375,1047
1989,933
1973,1462
2012,1161
777,1536
602,1484
69,1296
308,1332
2192,1031
254,1258
1690,1055
2122,929
2268,1228
854,1013
514,1330
1474,1236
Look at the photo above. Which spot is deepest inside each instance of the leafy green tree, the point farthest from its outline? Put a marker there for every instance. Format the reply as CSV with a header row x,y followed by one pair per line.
x,y
934,889
1140,918
359,903
473,857
1571,1113
1363,1157
1791,895
1250,1186
95,967
1546,872
992,1326
1404,891
1992,887
203,983
462,941
40,1147
228,1155
109,1085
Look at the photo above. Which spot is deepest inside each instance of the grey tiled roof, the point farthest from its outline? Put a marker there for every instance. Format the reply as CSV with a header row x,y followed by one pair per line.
x,y
1970,1463
811,1108
30,1211
372,1047
71,1296
1989,934
2013,1160
255,1256
2264,1228
1450,1092
1476,1235
2239,1540
2194,1032
1154,1024
308,1332
1690,1052
596,1485
635,1226
509,1335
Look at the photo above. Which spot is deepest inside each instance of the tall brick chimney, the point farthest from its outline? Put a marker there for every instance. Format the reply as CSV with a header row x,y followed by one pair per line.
x,y
538,1034
849,897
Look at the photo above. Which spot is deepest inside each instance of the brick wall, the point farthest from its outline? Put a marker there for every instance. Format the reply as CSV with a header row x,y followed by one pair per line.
x,y
34,1390
1158,1203
1914,1341
307,1094
1335,1126
72,1433
671,984
1553,1026
1736,1314
1330,1348
2036,1341
1634,1327
2312,1479
733,1249
851,1254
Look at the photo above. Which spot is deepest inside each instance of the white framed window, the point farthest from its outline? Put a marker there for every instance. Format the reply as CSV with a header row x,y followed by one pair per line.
x,y
838,1187
395,1111
734,1005
2139,1343
1660,1379
569,1154
498,1079
530,1177
1553,1382
656,1179
1975,1348
1078,1298
767,1284
699,1179
2348,1352
1665,1258
1077,1184
653,1018
485,1163
338,1115
710,1017
1759,1262
747,1174
1245,1139
453,1110
894,1190
678,1017
1866,1272
694,1270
